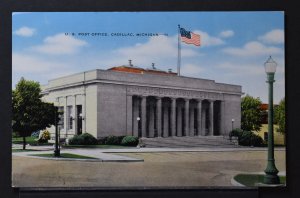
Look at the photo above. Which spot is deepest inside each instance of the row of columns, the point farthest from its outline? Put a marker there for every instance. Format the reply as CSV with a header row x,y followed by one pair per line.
x,y
164,124
65,102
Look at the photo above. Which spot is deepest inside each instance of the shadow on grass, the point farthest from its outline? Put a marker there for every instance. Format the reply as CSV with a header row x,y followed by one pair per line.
x,y
21,150
251,180
64,155
103,146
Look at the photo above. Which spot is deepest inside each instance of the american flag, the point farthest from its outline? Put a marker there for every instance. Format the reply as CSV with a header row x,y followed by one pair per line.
x,y
189,37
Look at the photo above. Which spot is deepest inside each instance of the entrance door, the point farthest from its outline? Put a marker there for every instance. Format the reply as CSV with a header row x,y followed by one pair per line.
x,y
79,119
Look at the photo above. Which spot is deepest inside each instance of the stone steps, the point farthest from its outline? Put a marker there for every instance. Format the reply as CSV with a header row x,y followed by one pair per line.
x,y
188,142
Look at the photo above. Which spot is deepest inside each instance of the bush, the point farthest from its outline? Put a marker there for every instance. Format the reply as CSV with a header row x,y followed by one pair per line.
x,y
102,140
247,138
113,140
236,132
83,139
130,141
45,136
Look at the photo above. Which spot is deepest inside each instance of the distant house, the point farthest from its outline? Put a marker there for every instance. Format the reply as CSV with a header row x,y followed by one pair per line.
x,y
278,137
265,107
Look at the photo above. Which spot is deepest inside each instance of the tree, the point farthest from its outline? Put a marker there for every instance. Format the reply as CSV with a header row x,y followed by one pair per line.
x,y
251,113
279,116
30,113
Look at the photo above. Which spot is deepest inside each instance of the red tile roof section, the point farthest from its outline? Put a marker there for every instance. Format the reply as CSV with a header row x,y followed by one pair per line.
x,y
140,70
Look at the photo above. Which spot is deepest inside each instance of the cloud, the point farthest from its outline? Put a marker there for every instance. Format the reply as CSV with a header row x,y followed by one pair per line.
x,y
227,33
236,69
32,64
156,46
208,40
192,70
25,32
275,36
253,48
59,44
161,50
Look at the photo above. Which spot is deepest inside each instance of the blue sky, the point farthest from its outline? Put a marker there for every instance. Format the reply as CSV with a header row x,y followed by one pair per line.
x,y
234,45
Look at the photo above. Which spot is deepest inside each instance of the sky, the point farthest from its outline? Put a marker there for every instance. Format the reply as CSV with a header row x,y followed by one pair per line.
x,y
234,45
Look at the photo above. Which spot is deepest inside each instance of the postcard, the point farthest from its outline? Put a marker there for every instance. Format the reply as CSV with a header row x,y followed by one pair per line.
x,y
148,99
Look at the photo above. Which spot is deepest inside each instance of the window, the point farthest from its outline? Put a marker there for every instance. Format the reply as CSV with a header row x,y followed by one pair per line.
x,y
70,117
61,117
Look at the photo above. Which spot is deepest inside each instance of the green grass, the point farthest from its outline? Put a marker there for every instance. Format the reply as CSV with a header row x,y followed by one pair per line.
x,y
21,150
253,179
65,155
98,146
29,140
19,140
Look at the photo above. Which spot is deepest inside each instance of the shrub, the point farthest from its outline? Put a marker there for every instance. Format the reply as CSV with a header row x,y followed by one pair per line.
x,y
130,141
247,138
83,139
113,140
44,137
236,132
120,138
102,140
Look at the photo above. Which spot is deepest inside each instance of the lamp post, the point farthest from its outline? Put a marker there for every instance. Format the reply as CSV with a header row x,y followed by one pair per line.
x,y
138,125
232,121
271,171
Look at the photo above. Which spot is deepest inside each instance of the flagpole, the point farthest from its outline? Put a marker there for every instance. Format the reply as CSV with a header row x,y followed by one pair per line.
x,y
179,52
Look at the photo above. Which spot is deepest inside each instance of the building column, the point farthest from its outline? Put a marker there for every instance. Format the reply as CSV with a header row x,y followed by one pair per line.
x,y
222,110
199,117
192,121
186,117
204,121
158,116
83,114
211,117
129,115
151,119
173,117
135,121
179,121
166,121
143,119
74,116
66,116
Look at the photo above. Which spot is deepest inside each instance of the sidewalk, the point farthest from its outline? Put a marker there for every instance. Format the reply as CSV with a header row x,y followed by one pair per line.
x,y
109,155
161,167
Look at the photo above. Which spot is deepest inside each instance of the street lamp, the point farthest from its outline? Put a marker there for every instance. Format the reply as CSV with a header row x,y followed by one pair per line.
x,y
232,121
271,171
138,124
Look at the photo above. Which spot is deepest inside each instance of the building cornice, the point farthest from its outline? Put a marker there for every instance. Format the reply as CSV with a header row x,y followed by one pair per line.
x,y
176,88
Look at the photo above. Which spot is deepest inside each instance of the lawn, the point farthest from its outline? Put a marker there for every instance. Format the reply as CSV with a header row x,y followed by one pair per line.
x,y
98,146
254,179
65,155
21,150
29,140
19,140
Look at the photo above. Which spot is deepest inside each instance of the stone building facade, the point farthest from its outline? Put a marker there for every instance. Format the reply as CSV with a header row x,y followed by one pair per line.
x,y
129,100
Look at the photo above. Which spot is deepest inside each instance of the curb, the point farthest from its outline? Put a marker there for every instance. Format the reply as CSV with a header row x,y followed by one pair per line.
x,y
85,160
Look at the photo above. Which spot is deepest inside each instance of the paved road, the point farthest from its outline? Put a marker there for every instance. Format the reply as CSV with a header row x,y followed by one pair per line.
x,y
160,168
